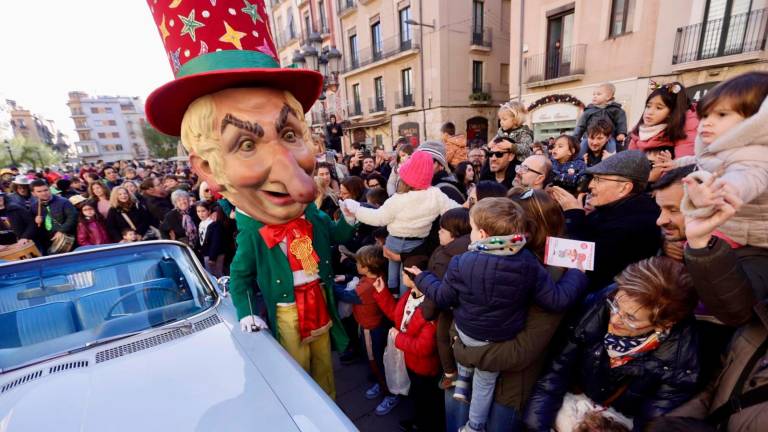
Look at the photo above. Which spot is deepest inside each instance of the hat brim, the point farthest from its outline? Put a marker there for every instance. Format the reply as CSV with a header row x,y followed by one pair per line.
x,y
166,106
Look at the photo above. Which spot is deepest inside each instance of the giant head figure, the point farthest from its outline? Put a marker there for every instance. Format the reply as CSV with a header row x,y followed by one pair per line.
x,y
240,115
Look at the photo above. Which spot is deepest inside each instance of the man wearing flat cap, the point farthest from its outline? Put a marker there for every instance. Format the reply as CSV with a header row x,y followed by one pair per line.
x,y
623,223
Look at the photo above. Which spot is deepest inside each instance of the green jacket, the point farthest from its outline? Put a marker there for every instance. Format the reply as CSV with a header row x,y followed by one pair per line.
x,y
256,266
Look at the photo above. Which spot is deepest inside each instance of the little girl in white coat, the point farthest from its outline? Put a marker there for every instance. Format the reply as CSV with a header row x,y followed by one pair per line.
x,y
732,144
409,213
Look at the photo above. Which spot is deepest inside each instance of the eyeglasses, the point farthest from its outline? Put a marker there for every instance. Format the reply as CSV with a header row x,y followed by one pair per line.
x,y
627,320
597,180
522,169
498,154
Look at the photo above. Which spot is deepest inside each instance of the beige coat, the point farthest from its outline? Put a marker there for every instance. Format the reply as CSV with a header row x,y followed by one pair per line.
x,y
742,155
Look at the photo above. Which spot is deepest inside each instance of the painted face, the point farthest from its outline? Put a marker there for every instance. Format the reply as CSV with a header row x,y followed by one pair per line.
x,y
597,142
720,119
671,219
655,112
265,159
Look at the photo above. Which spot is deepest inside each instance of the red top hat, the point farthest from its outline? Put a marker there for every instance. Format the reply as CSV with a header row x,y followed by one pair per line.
x,y
213,45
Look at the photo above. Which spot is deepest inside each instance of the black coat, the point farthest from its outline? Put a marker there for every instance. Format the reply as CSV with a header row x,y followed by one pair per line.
x,y
447,183
20,221
157,207
116,223
172,223
656,382
624,232
614,113
212,244
509,175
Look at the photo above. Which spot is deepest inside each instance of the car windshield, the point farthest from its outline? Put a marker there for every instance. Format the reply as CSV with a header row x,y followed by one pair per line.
x,y
53,306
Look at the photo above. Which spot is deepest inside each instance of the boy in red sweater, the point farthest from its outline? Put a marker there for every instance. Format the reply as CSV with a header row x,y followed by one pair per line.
x,y
415,336
371,265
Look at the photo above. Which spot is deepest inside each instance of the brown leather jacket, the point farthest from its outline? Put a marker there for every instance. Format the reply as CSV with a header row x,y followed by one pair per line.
x,y
726,289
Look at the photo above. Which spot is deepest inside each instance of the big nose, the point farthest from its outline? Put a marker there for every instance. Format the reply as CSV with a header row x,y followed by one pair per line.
x,y
286,170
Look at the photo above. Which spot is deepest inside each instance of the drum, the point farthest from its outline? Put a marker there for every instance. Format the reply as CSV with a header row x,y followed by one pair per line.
x,y
61,245
17,252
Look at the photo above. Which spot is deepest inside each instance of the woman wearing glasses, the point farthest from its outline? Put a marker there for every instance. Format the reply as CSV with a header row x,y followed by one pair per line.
x,y
634,350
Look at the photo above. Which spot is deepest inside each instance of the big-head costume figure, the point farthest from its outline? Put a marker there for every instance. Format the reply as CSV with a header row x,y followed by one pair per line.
x,y
241,117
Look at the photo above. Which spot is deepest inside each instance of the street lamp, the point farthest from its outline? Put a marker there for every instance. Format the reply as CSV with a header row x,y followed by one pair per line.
x,y
312,55
10,152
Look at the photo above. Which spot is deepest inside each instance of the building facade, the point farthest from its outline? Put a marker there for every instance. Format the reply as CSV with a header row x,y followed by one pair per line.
x,y
411,65
6,130
31,126
564,49
109,128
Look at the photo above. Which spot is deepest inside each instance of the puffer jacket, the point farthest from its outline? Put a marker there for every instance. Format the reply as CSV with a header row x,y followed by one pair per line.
x,y
441,257
656,382
683,147
522,137
613,112
726,289
491,293
456,150
742,152
418,341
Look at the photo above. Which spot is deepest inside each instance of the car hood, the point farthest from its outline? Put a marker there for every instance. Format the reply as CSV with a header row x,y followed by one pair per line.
x,y
199,382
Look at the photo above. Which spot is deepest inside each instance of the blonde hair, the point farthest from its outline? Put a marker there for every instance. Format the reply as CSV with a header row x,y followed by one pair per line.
x,y
113,201
517,109
199,135
611,88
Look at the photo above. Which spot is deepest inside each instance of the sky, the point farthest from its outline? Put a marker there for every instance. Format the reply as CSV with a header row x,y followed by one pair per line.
x,y
103,47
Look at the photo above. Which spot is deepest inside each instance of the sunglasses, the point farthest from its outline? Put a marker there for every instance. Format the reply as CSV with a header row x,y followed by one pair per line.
x,y
498,154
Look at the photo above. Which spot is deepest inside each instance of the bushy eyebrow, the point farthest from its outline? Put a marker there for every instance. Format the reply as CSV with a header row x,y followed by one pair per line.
x,y
251,127
282,119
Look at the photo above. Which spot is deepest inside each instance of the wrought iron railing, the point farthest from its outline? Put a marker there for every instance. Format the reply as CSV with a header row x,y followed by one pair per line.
x,y
404,100
388,47
376,104
481,36
557,63
735,34
344,5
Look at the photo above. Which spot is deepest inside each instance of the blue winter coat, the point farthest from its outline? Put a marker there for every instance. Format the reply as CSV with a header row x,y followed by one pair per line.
x,y
656,382
490,293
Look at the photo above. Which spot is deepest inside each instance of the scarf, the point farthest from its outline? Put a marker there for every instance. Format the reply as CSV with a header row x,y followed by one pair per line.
x,y
623,349
499,245
189,227
647,132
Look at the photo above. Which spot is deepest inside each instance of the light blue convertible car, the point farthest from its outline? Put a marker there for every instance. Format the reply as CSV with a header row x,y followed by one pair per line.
x,y
138,337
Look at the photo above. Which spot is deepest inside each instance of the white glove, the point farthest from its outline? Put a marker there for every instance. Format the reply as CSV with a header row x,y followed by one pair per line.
x,y
351,205
252,323
348,209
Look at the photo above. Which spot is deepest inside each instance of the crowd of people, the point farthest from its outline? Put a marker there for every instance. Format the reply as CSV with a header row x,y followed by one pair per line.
x,y
448,262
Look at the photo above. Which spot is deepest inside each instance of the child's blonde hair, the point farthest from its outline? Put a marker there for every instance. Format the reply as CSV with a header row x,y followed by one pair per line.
x,y
610,87
517,109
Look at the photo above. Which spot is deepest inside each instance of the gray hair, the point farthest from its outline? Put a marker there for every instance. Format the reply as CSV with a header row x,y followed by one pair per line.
x,y
177,194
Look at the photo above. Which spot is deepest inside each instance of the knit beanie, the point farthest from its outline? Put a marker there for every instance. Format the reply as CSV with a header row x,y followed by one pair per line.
x,y
436,150
417,171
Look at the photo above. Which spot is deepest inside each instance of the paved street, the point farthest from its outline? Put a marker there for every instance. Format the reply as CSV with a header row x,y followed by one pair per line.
x,y
351,383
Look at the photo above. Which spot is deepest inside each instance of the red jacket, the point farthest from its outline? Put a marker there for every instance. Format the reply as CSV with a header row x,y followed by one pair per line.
x,y
91,232
418,341
683,147
367,313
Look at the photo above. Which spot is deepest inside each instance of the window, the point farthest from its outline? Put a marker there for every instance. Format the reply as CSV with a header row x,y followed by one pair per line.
x,y
307,24
477,16
378,87
405,28
321,16
725,27
108,109
84,135
115,135
406,87
504,73
291,25
94,110
477,76
102,135
622,13
379,140
353,59
559,45
357,109
376,45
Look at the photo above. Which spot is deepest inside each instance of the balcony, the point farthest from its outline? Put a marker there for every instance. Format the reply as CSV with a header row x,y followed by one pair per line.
x,y
376,104
404,101
481,94
345,7
554,67
733,39
480,40
388,48
355,109
286,37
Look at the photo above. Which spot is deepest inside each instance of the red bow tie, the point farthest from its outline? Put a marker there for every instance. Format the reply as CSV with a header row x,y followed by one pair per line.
x,y
274,234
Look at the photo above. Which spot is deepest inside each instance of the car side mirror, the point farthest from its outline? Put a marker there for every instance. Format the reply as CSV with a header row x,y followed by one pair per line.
x,y
223,283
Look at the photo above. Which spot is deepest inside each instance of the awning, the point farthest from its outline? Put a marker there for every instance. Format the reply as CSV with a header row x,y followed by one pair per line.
x,y
367,124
